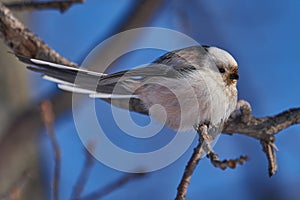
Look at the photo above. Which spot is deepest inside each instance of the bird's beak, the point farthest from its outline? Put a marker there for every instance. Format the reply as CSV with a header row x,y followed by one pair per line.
x,y
234,76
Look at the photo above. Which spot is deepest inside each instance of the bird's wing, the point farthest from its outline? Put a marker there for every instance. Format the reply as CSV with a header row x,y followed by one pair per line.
x,y
170,65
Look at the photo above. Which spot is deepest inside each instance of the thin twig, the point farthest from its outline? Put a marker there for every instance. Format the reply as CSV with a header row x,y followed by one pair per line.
x,y
224,164
85,172
191,166
113,186
206,140
48,119
37,5
268,148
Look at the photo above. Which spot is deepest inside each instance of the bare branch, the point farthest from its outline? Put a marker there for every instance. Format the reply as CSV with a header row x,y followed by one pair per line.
x,y
85,172
113,186
191,166
34,5
261,128
241,122
48,119
203,146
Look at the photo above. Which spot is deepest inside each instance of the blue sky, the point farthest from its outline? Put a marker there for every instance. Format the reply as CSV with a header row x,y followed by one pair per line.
x,y
262,36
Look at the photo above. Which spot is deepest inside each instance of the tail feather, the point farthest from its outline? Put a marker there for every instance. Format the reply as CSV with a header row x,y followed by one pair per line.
x,y
96,85
55,80
73,79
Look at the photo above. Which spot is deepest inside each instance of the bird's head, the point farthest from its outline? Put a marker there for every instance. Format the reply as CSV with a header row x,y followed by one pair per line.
x,y
226,64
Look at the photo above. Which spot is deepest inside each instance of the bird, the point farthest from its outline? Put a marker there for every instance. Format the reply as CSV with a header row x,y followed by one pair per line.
x,y
182,89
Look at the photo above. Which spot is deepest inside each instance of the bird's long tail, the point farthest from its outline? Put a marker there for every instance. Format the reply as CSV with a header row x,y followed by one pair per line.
x,y
73,79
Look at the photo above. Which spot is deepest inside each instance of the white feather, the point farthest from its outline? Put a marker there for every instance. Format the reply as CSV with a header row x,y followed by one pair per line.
x,y
112,96
74,88
93,94
42,62
55,80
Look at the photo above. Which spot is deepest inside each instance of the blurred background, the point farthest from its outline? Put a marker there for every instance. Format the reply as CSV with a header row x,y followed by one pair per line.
x,y
261,35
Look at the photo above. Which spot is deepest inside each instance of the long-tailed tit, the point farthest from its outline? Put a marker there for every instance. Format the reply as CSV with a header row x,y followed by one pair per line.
x,y
192,86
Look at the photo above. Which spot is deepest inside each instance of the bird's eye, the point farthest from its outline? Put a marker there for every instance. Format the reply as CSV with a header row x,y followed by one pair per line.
x,y
221,70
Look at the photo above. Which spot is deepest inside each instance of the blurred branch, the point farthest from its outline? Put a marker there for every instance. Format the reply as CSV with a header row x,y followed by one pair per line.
x,y
23,42
15,192
48,119
139,15
85,172
21,135
35,5
112,186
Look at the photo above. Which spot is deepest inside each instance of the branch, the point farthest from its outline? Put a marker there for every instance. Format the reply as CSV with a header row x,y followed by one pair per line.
x,y
191,166
260,128
48,119
25,43
263,129
142,13
113,186
240,122
15,192
139,15
33,5
85,172
21,134
268,148
203,146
